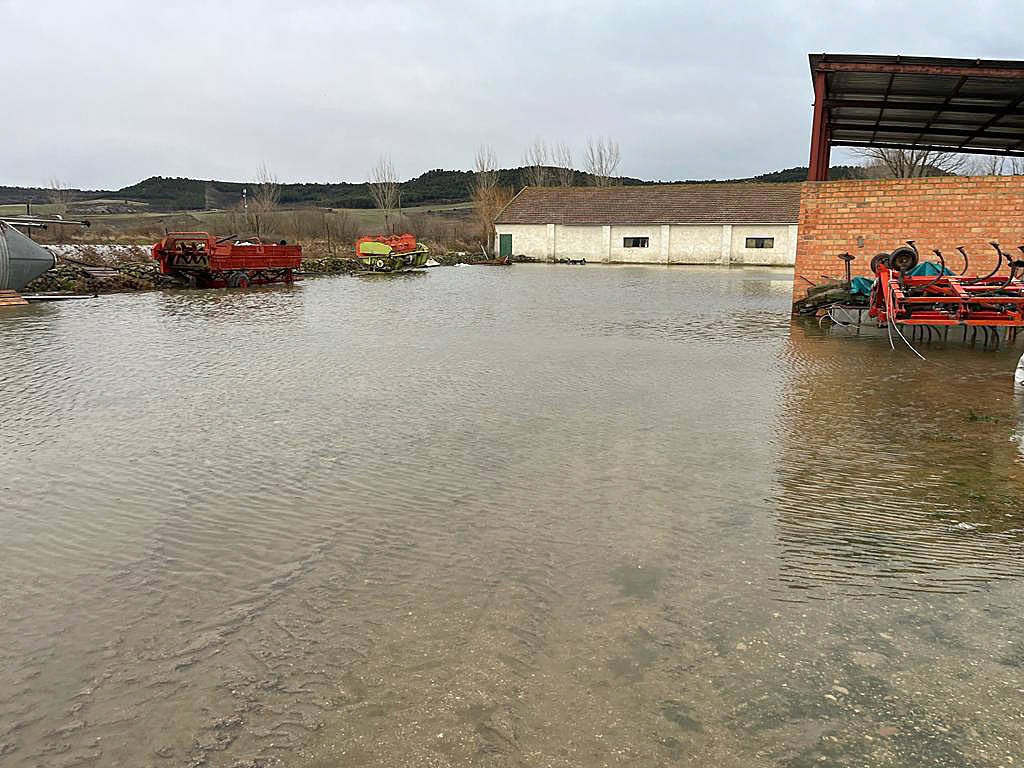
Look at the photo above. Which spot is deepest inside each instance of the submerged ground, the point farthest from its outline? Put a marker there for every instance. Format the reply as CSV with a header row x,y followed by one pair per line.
x,y
534,516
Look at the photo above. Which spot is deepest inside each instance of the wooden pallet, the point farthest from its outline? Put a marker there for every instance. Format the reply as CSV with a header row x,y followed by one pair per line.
x,y
11,299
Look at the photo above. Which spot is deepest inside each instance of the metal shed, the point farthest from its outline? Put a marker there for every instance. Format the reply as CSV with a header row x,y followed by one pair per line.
x,y
915,102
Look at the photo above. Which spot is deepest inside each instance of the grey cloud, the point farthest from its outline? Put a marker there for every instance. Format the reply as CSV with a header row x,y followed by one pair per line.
x,y
105,93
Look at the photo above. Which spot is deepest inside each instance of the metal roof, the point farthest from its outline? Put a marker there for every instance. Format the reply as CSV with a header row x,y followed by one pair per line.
x,y
743,203
916,102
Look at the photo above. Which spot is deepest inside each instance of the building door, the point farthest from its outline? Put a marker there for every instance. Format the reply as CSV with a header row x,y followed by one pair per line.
x,y
505,246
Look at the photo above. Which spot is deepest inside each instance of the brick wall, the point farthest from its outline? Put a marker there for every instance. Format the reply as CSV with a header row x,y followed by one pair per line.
x,y
866,217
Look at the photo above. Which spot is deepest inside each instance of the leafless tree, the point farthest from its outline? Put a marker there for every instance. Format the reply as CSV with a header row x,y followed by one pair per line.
x,y
536,170
385,190
601,160
59,195
561,158
997,165
266,195
488,197
911,163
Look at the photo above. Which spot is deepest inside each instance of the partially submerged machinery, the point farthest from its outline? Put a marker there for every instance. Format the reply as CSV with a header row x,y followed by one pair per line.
x,y
205,262
391,253
901,297
928,297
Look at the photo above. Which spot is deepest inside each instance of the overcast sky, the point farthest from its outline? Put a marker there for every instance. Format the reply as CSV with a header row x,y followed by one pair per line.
x,y
101,94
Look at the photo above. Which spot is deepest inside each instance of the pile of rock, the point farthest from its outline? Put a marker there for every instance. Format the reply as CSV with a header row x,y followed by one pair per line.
x,y
63,278
70,277
330,265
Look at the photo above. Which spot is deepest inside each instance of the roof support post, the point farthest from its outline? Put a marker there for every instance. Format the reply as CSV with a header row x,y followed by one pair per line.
x,y
826,148
818,132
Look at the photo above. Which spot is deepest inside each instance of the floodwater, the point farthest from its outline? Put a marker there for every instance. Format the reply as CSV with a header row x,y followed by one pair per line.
x,y
536,516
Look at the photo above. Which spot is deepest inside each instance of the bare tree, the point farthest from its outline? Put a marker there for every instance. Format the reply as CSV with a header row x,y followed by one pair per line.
x,y
385,189
601,160
59,195
912,163
488,197
536,170
561,158
997,165
265,197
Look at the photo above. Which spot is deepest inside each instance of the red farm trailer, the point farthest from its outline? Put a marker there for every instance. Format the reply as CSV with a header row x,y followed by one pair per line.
x,y
205,262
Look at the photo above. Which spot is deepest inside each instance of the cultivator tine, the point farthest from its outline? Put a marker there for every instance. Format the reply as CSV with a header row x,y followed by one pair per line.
x,y
920,306
966,261
999,263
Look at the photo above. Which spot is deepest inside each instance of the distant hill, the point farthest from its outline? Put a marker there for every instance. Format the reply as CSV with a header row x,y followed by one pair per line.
x,y
436,187
799,173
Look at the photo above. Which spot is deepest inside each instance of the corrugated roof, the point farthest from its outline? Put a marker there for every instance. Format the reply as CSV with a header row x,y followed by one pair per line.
x,y
750,203
959,105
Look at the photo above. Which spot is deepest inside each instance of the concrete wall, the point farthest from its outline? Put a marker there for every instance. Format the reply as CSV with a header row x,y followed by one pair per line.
x,y
869,217
577,242
675,244
527,239
695,245
652,254
782,254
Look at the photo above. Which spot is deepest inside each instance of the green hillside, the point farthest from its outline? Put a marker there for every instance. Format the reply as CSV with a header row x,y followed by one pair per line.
x,y
436,187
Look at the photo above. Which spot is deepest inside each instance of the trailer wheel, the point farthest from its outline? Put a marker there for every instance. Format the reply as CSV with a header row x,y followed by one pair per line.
x,y
379,263
238,280
903,259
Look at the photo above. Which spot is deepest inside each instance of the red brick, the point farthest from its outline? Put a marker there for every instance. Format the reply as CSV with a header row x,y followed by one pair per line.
x,y
938,212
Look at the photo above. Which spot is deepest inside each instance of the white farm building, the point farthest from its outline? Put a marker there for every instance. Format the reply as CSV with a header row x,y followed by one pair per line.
x,y
746,223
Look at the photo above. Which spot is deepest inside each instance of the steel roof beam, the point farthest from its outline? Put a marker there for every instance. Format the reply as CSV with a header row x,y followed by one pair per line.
x,y
928,147
952,95
909,68
885,97
984,128
963,134
919,106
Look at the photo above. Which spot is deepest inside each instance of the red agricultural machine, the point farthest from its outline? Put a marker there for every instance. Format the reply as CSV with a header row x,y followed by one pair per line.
x,y
927,298
903,296
205,262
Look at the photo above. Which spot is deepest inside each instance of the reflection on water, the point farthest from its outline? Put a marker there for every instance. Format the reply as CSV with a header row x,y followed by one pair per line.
x,y
897,474
531,516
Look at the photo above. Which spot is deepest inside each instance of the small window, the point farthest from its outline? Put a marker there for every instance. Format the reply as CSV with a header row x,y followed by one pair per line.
x,y
760,242
635,242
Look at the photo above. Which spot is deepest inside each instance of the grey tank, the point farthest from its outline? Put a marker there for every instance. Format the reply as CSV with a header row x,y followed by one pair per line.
x,y
21,259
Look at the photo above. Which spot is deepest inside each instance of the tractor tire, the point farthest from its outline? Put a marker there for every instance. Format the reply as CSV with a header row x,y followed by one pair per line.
x,y
903,259
379,264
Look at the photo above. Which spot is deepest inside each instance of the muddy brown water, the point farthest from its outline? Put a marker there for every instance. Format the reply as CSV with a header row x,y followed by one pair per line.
x,y
538,516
